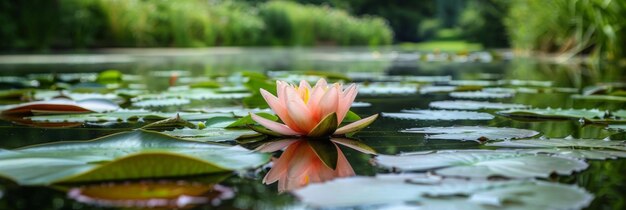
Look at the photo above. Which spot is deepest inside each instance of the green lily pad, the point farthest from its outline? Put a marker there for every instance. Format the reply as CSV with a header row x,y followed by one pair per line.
x,y
474,105
439,115
421,191
481,83
473,133
483,163
600,97
161,102
578,148
126,115
480,94
593,115
621,127
387,88
211,134
563,143
193,94
126,155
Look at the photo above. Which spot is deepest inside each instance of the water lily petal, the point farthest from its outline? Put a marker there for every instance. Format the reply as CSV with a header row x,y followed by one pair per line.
x,y
345,101
355,126
280,109
316,95
329,101
274,126
298,111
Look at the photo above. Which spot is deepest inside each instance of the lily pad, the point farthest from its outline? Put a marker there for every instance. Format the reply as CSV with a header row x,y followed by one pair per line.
x,y
563,143
387,89
211,134
126,155
421,191
126,115
483,163
439,115
621,127
480,94
61,106
600,97
588,114
473,105
161,102
473,133
578,148
193,94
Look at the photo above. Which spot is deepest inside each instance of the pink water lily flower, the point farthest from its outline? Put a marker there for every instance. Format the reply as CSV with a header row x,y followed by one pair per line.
x,y
313,112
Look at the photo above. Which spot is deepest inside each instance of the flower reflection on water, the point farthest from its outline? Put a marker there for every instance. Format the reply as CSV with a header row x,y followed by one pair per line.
x,y
301,163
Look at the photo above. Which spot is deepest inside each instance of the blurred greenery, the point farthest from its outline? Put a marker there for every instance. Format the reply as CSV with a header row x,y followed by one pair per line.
x,y
42,24
563,27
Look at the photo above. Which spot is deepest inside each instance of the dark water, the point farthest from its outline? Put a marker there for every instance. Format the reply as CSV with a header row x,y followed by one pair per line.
x,y
605,179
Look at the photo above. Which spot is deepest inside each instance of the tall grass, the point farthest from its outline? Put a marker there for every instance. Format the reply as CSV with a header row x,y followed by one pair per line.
x,y
291,23
183,23
570,27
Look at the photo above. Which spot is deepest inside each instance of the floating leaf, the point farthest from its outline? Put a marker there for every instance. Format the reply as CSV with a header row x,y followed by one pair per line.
x,y
480,94
211,134
578,148
473,133
127,115
62,106
588,114
126,155
439,115
567,143
161,102
387,89
483,163
600,97
474,105
421,191
621,127
168,124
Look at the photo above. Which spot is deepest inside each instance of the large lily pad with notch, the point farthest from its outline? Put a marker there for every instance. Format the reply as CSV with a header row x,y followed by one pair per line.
x,y
483,163
421,191
472,133
579,148
126,155
474,105
438,115
480,94
127,115
212,134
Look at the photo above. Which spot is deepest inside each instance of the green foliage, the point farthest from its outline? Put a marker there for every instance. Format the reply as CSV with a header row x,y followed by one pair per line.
x,y
291,23
571,27
184,23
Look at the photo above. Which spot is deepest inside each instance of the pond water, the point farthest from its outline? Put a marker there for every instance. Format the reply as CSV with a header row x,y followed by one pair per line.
x,y
399,84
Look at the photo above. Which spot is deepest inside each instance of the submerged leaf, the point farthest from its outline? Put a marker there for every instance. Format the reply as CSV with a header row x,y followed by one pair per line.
x,y
473,133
